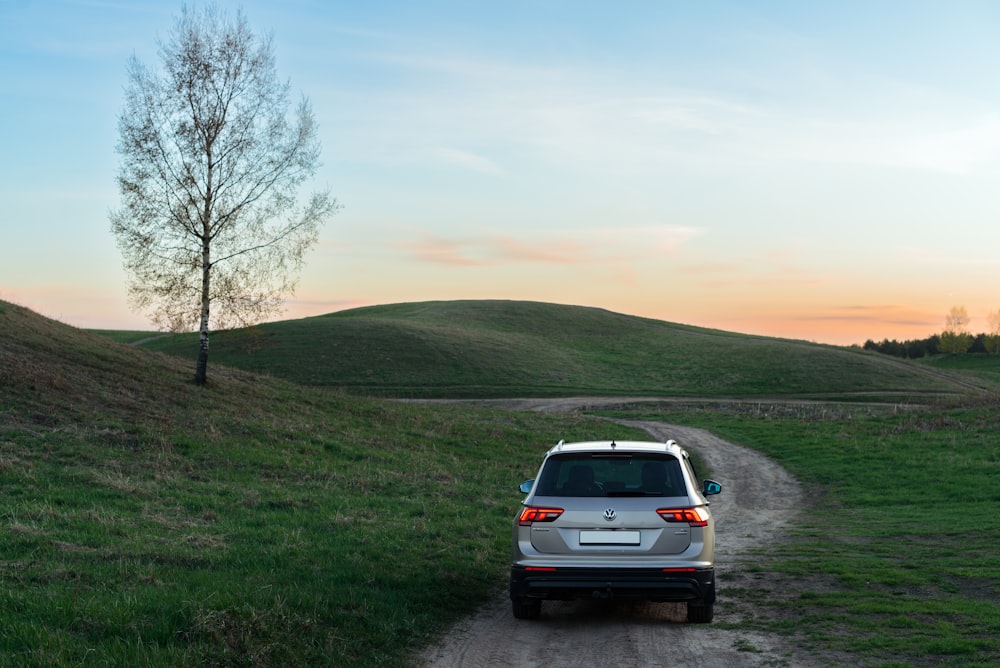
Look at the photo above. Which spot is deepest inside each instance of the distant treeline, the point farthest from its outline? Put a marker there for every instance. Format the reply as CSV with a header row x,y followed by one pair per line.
x,y
981,343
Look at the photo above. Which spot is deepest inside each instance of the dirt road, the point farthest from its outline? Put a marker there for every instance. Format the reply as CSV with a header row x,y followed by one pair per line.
x,y
759,499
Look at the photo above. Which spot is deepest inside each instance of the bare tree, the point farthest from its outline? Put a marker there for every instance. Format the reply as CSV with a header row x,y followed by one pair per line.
x,y
956,337
210,166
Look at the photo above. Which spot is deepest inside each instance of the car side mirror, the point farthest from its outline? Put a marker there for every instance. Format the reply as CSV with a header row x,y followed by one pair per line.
x,y
526,486
711,487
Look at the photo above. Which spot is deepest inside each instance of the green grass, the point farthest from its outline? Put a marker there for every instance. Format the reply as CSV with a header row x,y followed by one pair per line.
x,y
896,560
260,521
266,544
977,365
252,522
127,336
502,349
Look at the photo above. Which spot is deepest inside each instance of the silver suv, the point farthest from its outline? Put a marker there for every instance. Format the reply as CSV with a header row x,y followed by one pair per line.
x,y
609,520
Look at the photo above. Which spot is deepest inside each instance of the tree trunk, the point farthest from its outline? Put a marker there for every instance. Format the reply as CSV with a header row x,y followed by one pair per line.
x,y
201,371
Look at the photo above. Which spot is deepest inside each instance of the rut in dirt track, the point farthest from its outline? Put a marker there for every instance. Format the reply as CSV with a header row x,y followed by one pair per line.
x,y
758,501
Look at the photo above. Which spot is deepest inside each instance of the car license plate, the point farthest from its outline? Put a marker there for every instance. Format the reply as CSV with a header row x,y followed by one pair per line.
x,y
610,537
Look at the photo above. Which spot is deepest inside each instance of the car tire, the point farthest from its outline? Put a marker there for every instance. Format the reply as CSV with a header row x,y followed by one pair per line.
x,y
700,614
526,608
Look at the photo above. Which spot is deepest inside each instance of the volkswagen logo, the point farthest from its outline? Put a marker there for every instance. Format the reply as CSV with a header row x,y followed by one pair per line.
x,y
610,514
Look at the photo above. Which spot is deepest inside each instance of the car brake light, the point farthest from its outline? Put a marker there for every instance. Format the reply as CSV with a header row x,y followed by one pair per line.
x,y
535,514
693,516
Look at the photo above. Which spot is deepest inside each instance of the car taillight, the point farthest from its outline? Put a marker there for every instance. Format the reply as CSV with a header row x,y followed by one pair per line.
x,y
535,514
693,516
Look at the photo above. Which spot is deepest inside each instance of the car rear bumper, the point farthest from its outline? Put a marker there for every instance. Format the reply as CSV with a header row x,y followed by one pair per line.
x,y
646,584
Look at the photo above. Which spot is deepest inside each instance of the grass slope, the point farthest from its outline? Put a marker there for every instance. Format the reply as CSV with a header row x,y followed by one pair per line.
x,y
258,522
148,521
895,562
508,348
981,366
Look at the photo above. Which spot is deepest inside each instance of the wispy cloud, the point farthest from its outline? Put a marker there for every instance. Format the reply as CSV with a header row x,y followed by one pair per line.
x,y
924,256
647,240
579,119
439,250
489,251
573,116
576,115
333,304
465,160
511,249
612,244
771,268
953,148
893,314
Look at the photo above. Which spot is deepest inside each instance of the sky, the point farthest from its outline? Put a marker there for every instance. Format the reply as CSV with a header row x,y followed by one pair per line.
x,y
826,171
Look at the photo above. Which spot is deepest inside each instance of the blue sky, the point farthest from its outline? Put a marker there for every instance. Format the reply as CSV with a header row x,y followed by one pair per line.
x,y
825,171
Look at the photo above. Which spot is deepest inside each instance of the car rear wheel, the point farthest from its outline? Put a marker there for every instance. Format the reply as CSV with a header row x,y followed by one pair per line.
x,y
526,608
700,614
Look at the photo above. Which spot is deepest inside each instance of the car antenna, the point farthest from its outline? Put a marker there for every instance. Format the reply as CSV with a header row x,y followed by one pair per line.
x,y
613,445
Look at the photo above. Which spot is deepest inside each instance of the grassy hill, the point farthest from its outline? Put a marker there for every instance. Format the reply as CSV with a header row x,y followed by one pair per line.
x,y
979,368
257,521
508,348
149,521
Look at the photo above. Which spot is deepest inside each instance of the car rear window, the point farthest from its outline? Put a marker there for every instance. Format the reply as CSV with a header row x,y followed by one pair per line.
x,y
611,474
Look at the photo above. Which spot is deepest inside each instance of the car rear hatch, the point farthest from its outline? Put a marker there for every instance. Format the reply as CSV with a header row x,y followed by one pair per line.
x,y
603,526
621,501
